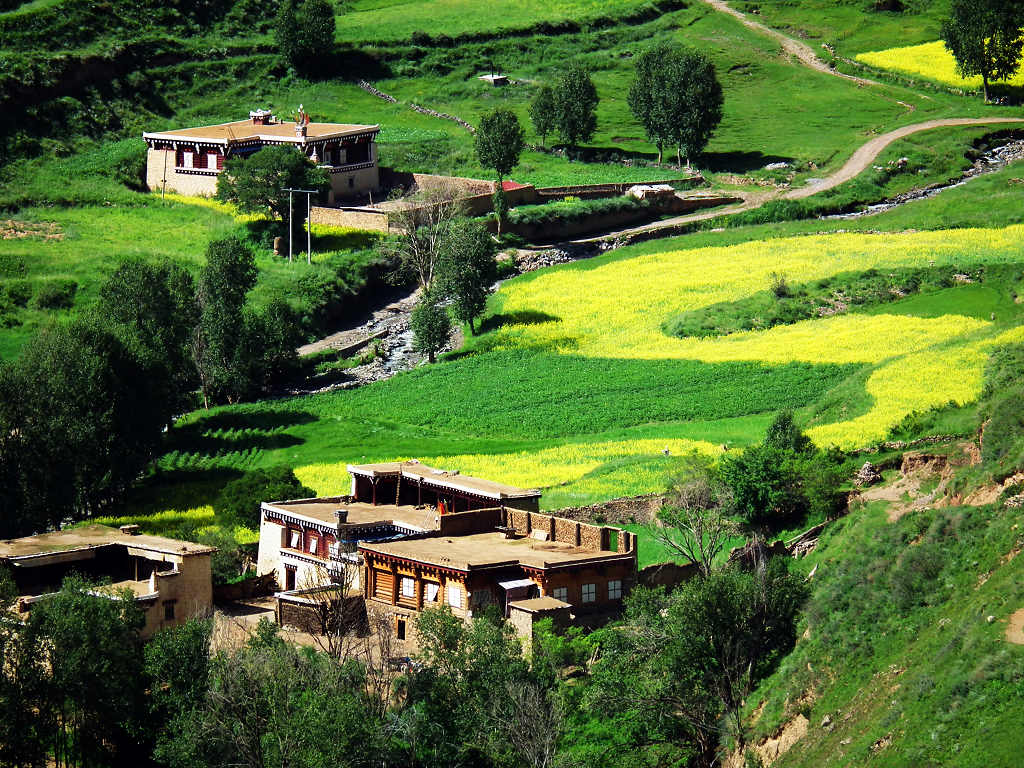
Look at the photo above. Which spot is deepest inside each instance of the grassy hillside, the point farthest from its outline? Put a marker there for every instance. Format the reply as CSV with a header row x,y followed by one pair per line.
x,y
904,648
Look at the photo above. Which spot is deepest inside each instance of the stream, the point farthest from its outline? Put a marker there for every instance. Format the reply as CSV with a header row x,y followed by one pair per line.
x,y
992,160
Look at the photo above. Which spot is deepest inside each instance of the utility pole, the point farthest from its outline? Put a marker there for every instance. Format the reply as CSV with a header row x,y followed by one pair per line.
x,y
309,234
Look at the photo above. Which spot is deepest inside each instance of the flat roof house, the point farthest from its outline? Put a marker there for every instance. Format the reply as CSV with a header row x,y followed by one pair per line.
x,y
413,537
188,160
171,579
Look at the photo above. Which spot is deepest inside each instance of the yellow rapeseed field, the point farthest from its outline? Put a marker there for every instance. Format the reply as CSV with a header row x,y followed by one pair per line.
x,y
929,60
536,469
616,310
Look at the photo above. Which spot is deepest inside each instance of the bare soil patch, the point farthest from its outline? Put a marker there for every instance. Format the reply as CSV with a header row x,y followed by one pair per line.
x,y
11,229
1015,628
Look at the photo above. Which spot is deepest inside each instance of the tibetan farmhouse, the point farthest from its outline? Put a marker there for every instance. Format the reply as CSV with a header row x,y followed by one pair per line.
x,y
188,160
410,537
170,579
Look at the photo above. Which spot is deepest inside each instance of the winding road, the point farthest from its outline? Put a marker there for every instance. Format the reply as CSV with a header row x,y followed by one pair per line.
x,y
858,162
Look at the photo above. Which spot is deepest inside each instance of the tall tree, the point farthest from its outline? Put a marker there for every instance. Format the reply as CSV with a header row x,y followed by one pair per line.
x,y
316,25
425,227
469,270
499,141
287,36
544,112
256,183
77,406
653,94
985,38
152,309
431,325
702,98
577,100
92,697
219,345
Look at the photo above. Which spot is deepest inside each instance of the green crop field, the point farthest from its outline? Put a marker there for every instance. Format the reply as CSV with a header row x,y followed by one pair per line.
x,y
572,386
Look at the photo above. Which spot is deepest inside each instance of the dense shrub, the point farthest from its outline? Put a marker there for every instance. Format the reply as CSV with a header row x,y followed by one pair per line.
x,y
55,294
239,501
17,292
572,210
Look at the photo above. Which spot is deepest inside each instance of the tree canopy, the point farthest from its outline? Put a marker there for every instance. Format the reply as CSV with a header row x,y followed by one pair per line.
x,y
499,141
985,38
431,325
469,270
544,112
576,105
239,500
677,97
255,183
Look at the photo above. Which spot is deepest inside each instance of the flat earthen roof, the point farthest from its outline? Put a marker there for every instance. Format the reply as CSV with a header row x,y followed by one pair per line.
x,y
88,536
360,513
539,604
483,550
450,478
245,130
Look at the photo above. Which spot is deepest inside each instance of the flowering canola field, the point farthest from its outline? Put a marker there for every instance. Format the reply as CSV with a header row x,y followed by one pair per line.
x,y
930,60
614,309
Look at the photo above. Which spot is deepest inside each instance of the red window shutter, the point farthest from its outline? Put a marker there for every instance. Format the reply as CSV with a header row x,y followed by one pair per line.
x,y
220,162
179,157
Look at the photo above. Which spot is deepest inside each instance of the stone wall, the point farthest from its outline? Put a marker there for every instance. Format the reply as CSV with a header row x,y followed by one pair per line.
x,y
464,523
630,509
354,218
595,537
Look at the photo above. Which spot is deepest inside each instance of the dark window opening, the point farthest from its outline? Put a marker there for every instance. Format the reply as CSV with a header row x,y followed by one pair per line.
x,y
358,153
400,629
289,579
169,610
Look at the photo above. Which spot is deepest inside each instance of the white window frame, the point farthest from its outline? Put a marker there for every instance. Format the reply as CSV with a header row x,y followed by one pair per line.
x,y
615,589
295,540
591,590
561,593
187,159
408,587
431,592
313,544
454,595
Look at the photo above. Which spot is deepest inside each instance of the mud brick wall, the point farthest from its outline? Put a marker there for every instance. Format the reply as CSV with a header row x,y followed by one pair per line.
x,y
476,521
354,218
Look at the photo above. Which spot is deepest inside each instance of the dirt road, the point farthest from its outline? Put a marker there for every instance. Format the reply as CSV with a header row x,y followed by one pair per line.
x,y
867,153
801,50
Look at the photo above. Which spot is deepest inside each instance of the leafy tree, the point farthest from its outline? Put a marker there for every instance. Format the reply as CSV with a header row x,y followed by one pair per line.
x,y
91,698
255,183
152,309
985,38
239,500
499,141
218,346
767,485
544,112
78,406
576,99
431,325
425,229
784,434
176,665
466,668
700,110
469,270
316,22
682,661
272,704
677,97
23,740
287,36
272,336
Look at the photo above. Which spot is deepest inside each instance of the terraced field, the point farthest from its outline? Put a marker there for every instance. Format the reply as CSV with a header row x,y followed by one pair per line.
x,y
928,60
577,389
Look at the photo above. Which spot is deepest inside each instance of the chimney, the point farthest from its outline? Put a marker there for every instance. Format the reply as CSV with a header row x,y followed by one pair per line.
x,y
300,130
260,116
342,515
130,530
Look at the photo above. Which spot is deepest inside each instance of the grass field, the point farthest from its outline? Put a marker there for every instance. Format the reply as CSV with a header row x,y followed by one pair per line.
x,y
928,60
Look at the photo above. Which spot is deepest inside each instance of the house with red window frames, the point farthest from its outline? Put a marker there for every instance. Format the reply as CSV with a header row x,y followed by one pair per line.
x,y
189,160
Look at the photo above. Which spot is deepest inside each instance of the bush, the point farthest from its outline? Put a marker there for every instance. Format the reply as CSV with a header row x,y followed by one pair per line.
x,y
55,294
239,501
572,210
914,577
18,292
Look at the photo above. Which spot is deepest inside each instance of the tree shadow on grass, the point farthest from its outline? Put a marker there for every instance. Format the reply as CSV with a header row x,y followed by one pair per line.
x,y
739,162
238,431
519,317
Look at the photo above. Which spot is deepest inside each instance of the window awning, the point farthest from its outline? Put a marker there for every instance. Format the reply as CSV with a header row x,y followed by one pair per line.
x,y
517,583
